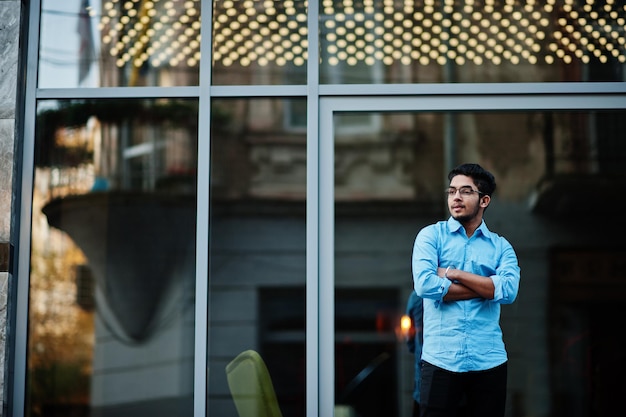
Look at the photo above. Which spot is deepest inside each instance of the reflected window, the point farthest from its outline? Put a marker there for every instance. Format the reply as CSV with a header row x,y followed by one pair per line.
x,y
257,272
365,351
588,361
446,41
112,282
112,43
259,42
108,43
282,335
261,147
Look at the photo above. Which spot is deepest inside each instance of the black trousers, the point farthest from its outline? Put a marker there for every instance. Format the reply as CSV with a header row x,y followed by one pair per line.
x,y
468,394
416,409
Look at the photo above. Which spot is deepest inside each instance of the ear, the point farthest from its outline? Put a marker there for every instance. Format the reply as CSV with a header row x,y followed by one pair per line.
x,y
485,200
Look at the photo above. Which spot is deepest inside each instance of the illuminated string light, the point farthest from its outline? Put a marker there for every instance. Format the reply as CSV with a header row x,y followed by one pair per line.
x,y
270,32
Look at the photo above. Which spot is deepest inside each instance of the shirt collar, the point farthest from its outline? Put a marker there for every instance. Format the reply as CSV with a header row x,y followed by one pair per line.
x,y
454,226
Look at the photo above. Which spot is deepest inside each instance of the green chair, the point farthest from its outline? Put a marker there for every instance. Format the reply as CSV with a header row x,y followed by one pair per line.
x,y
251,386
253,391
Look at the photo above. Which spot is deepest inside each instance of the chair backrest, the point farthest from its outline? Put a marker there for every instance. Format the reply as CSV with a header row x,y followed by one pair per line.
x,y
251,386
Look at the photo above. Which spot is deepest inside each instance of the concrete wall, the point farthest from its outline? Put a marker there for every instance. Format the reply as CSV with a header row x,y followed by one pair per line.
x,y
9,42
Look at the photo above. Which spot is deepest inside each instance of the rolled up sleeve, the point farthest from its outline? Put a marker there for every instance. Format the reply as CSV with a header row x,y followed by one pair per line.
x,y
507,277
426,282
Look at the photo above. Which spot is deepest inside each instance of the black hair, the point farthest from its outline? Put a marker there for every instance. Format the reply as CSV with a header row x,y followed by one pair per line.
x,y
484,180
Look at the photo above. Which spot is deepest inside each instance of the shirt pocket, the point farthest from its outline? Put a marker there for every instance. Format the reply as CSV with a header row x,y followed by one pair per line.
x,y
484,263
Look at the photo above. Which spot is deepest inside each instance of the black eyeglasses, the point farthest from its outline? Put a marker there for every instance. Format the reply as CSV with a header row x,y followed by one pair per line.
x,y
464,191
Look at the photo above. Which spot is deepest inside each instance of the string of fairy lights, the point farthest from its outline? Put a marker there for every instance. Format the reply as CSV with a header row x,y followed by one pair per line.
x,y
271,32
159,32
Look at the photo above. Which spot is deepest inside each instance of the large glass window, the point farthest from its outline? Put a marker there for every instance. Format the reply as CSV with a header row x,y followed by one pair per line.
x,y
557,174
114,272
445,41
108,43
112,281
117,43
259,42
257,251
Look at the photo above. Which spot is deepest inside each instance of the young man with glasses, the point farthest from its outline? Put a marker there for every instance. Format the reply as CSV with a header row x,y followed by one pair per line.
x,y
464,272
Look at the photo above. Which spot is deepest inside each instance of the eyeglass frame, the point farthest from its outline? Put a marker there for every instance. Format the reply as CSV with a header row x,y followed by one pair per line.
x,y
464,191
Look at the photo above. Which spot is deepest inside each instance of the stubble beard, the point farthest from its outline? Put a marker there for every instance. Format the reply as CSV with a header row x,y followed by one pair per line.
x,y
464,218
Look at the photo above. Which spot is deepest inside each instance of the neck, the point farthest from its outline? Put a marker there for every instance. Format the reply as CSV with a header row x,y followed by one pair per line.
x,y
470,226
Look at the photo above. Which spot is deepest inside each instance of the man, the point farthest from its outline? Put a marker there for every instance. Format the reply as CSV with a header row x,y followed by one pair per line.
x,y
463,272
414,343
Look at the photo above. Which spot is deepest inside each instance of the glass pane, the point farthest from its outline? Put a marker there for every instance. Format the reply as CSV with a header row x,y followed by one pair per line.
x,y
118,43
443,41
257,250
554,170
259,42
112,283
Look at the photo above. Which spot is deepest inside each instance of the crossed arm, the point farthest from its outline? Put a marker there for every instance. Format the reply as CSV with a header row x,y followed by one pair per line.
x,y
466,285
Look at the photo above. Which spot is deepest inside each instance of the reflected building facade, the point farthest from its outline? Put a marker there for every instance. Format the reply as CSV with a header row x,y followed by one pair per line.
x,y
199,178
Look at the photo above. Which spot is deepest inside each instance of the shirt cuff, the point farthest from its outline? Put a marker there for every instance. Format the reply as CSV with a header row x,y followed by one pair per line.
x,y
498,288
443,290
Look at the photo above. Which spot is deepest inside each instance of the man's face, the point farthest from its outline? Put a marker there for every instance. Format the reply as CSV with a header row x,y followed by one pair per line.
x,y
464,199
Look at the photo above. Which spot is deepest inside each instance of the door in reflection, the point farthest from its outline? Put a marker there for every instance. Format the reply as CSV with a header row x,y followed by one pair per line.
x,y
384,190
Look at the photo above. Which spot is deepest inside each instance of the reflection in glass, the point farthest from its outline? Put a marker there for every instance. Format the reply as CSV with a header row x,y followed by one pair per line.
x,y
112,43
258,246
102,43
386,174
447,41
259,42
556,172
111,319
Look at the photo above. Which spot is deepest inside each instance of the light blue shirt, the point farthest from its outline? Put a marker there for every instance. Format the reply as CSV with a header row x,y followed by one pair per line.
x,y
462,336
